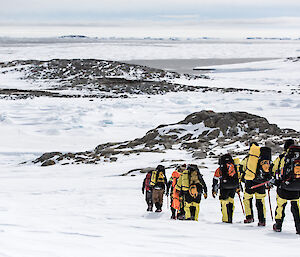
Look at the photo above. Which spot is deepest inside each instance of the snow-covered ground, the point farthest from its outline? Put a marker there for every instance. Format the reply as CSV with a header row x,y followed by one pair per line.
x,y
88,210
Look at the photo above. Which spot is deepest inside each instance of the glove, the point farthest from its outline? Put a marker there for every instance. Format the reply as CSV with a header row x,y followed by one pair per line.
x,y
143,191
272,182
205,195
214,193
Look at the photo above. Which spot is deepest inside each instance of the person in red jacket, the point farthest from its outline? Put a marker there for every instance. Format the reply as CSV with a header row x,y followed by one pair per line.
x,y
146,187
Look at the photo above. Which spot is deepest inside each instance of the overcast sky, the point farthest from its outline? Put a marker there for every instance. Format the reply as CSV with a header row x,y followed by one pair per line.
x,y
159,18
82,11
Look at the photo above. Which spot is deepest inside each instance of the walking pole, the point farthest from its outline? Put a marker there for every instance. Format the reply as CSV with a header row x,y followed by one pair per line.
x,y
270,203
241,202
168,202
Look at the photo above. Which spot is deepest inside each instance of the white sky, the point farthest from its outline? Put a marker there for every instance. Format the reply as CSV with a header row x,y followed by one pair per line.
x,y
95,10
216,15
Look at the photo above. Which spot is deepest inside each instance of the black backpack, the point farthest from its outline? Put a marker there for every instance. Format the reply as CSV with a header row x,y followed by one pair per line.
x,y
229,178
291,180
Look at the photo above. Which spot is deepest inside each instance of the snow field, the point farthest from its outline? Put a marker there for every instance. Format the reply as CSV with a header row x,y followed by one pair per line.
x,y
134,50
89,210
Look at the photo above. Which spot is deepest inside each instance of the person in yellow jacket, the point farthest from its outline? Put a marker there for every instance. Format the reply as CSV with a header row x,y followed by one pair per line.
x,y
279,161
256,169
158,183
176,199
226,178
191,185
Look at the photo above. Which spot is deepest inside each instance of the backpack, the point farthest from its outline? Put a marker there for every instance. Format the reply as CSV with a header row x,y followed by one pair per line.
x,y
252,162
229,178
290,173
194,178
256,154
195,185
147,181
160,177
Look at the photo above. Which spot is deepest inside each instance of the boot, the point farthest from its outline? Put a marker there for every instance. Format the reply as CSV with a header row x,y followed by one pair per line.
x,y
277,226
150,207
261,224
158,207
173,217
249,219
180,216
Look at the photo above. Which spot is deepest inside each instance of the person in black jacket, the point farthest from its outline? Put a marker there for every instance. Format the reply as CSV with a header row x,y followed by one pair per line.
x,y
288,188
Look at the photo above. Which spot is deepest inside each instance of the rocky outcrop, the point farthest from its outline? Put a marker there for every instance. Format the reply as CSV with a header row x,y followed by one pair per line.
x,y
202,134
96,78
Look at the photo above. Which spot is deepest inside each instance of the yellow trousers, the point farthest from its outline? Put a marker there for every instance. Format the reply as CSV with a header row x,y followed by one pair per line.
x,y
248,204
281,204
227,208
187,209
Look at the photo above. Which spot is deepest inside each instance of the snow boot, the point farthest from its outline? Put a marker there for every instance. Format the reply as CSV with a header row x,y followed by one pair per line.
x,y
261,224
248,219
150,208
277,226
158,207
276,229
180,216
173,217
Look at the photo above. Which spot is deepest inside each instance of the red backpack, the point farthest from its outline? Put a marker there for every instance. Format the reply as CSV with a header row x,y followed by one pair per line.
x,y
147,181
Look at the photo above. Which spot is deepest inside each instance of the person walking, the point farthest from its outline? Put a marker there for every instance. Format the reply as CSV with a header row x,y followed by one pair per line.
x,y
288,188
146,187
158,184
256,169
226,179
191,185
176,199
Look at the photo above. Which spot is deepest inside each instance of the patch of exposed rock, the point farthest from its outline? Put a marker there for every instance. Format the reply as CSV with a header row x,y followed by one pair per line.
x,y
97,79
202,134
293,59
92,77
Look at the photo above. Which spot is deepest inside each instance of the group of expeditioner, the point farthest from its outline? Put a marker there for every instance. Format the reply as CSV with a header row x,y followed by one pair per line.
x,y
258,173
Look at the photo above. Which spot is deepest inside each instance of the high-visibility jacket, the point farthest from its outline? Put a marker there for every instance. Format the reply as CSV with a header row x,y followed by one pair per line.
x,y
175,193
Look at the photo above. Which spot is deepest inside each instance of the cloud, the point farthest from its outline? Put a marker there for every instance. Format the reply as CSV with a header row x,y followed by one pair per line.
x,y
101,10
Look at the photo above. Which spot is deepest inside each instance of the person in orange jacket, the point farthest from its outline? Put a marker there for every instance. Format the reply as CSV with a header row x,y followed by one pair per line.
x,y
176,199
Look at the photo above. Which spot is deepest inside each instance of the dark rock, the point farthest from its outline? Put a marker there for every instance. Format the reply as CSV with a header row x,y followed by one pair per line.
x,y
48,163
47,156
199,155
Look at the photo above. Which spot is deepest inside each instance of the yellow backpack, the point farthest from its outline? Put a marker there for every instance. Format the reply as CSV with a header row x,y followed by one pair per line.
x,y
194,179
160,177
252,162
